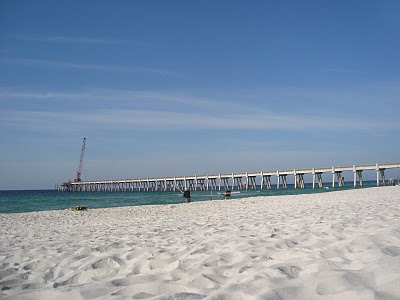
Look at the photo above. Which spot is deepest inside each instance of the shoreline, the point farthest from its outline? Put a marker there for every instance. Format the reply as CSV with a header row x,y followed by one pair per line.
x,y
34,201
218,193
334,245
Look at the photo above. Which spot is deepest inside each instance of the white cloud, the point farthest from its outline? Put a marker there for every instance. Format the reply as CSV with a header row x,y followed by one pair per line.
x,y
131,119
129,99
157,110
77,40
80,66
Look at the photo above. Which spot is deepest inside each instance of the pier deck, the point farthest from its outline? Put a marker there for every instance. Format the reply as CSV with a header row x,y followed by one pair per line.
x,y
241,180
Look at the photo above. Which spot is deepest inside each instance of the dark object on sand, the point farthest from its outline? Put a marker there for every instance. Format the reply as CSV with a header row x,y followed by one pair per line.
x,y
79,207
226,195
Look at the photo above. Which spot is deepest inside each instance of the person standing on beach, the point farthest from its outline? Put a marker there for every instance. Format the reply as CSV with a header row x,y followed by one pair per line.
x,y
186,194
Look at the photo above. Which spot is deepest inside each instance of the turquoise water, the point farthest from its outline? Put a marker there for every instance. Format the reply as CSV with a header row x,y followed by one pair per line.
x,y
26,201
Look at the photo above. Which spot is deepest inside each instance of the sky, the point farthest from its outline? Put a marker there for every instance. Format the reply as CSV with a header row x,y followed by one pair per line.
x,y
164,88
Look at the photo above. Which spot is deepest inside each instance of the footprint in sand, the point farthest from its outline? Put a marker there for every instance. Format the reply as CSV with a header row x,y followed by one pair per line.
x,y
107,262
290,271
7,272
391,251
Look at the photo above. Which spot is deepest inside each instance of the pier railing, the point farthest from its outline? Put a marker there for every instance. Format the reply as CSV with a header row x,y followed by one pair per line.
x,y
231,181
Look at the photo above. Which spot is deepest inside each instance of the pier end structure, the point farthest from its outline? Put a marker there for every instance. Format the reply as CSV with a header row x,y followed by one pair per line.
x,y
240,180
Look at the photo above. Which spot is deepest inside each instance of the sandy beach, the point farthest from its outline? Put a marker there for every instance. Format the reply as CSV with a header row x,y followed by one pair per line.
x,y
336,245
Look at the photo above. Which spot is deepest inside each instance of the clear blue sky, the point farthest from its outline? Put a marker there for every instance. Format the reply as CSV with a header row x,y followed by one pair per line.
x,y
184,87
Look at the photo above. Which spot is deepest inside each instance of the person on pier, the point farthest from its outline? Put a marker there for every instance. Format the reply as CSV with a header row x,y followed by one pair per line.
x,y
186,194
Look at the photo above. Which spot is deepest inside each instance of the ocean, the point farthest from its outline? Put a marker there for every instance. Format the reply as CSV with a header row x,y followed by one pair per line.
x,y
40,200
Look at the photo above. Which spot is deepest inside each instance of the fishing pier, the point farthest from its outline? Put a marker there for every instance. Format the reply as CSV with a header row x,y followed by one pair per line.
x,y
232,181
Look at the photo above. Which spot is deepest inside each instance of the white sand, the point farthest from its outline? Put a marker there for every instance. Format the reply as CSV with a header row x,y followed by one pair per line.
x,y
337,245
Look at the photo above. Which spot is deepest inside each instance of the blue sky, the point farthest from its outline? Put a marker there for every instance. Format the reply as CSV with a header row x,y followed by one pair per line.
x,y
164,88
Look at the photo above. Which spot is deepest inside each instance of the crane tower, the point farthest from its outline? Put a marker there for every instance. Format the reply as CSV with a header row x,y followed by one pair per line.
x,y
79,172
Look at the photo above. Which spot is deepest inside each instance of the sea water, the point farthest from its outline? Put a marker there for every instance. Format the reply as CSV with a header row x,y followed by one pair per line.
x,y
27,201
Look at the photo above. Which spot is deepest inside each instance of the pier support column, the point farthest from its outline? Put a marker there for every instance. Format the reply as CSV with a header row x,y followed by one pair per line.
x,y
354,176
299,181
333,177
199,183
284,181
380,173
168,185
377,175
360,177
282,178
358,173
238,183
214,184
224,181
319,178
252,182
191,184
267,180
219,184
247,181
145,186
152,186
340,178
354,179
313,180
278,180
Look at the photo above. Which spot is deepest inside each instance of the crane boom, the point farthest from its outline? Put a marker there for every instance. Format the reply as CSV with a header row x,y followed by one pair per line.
x,y
78,174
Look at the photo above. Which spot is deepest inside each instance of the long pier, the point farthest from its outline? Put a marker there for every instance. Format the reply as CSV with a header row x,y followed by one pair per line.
x,y
240,181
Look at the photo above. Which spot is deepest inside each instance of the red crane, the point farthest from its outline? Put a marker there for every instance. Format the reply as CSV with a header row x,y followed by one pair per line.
x,y
78,174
